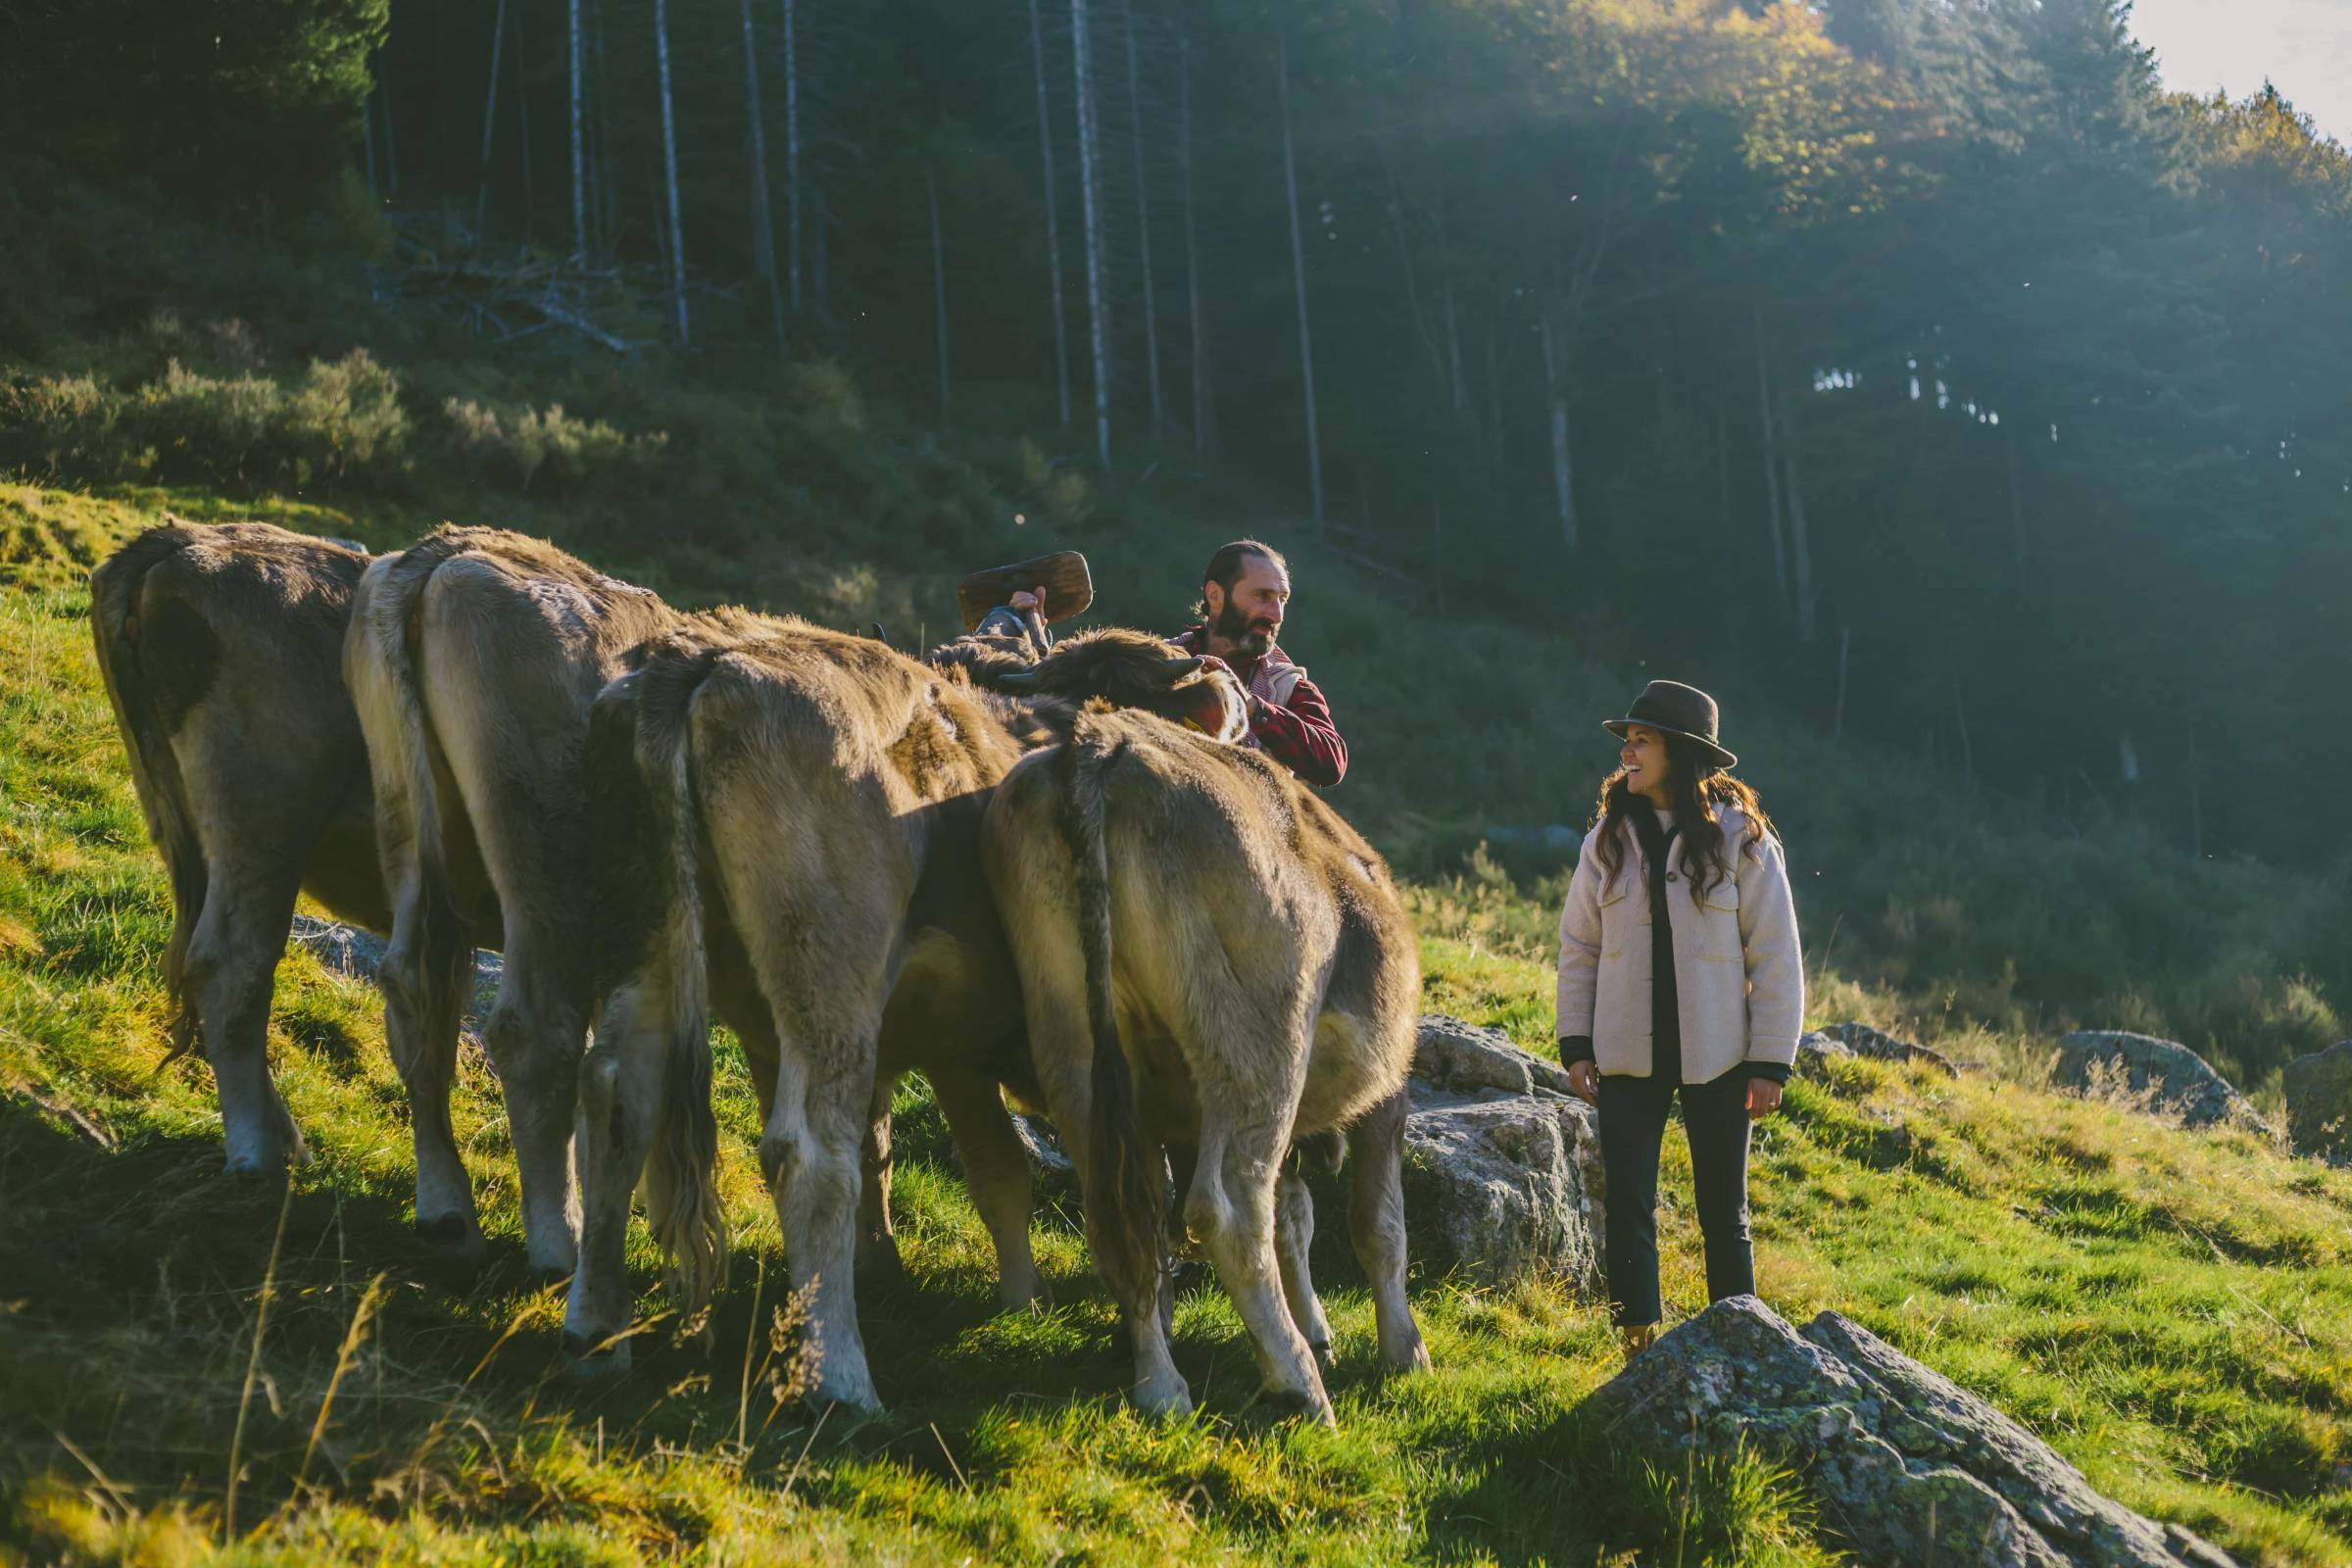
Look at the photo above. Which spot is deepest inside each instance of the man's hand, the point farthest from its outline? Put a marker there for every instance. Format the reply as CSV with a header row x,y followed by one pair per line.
x,y
1763,1097
1025,600
1212,665
1583,1079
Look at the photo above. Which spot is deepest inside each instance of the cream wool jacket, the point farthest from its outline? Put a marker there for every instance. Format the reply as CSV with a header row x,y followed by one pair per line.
x,y
1740,974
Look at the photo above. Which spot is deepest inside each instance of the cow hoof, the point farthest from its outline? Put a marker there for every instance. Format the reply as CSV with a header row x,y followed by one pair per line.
x,y
454,1238
1175,1399
548,1275
1413,1358
595,1360
1283,1404
1322,1352
879,1265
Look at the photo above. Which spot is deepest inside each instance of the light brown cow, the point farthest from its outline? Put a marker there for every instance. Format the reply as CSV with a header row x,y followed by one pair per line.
x,y
221,647
472,659
804,807
1211,960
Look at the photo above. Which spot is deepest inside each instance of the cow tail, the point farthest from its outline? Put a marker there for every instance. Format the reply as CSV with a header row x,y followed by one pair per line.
x,y
1124,1178
116,588
390,618
686,1214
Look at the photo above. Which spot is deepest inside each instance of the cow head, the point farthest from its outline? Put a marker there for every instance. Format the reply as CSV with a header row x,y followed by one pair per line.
x,y
1129,669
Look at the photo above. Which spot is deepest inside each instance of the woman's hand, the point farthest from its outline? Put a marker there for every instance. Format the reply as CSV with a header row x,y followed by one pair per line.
x,y
1763,1097
1584,1080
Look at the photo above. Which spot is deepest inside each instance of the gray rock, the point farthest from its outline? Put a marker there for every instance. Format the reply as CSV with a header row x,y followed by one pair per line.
x,y
1501,1186
2318,1104
349,950
1050,1167
1908,1466
2182,1087
1864,1041
1464,1058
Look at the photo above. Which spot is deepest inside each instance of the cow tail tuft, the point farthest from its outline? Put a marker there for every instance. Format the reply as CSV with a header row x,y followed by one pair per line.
x,y
115,590
1124,1176
689,1219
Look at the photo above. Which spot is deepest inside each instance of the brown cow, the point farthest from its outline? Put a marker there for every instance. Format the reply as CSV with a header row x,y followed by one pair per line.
x,y
1211,960
804,807
474,658
220,646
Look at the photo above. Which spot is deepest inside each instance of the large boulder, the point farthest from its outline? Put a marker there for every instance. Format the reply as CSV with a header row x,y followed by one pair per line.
x,y
1905,1464
1861,1039
1502,1163
2179,1084
2318,1104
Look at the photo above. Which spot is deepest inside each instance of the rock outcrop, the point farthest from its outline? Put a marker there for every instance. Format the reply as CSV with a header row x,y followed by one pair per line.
x,y
1906,1465
2318,1104
2177,1083
1861,1039
1502,1163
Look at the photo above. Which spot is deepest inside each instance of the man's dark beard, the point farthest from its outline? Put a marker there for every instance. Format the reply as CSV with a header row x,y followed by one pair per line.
x,y
1234,625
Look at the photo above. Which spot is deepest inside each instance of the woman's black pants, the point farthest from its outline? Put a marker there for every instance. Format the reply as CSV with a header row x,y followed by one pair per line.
x,y
1632,1125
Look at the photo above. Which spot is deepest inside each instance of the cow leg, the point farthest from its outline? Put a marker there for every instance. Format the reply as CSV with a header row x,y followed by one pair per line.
x,y
533,1035
425,968
620,1105
1231,1209
995,1167
1293,1235
877,1242
810,1152
1376,1222
1064,1049
231,965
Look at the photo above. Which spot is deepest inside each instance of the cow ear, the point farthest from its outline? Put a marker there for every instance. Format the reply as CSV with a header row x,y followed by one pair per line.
x,y
1176,669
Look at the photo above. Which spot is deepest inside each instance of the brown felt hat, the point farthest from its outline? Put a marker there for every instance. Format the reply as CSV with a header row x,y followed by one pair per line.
x,y
1673,709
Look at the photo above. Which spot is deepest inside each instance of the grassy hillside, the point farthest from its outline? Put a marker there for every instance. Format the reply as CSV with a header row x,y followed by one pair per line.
x,y
2172,1312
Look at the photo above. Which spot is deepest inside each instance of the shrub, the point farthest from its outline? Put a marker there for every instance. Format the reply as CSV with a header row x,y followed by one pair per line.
x,y
820,395
213,427
66,426
347,418
550,445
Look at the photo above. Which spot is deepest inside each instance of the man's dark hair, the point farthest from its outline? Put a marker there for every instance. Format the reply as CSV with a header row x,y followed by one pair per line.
x,y
1224,568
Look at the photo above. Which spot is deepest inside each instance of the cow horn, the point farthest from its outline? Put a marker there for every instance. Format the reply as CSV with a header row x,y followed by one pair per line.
x,y
1177,669
1017,680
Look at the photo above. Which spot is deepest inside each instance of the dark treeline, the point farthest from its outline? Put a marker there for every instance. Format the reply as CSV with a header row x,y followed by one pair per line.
x,y
1918,361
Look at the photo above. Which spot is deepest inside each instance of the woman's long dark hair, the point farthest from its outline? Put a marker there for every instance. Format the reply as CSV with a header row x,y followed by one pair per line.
x,y
1698,789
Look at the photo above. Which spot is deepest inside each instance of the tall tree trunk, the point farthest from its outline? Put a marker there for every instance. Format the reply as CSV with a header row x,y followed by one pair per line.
x,y
522,108
1307,342
1194,322
1556,393
764,218
368,139
1142,227
1045,152
1098,304
1800,543
1772,465
791,151
669,167
1405,259
579,145
820,241
939,288
606,185
384,89
481,199
2017,506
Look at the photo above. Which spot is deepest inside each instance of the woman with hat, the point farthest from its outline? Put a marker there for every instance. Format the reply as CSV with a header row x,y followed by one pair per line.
x,y
1680,977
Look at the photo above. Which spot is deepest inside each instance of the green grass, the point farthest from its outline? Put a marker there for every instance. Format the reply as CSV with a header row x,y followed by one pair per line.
x,y
2172,1312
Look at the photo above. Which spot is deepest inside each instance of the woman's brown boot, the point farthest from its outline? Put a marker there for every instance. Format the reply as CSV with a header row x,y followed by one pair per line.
x,y
1638,1337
